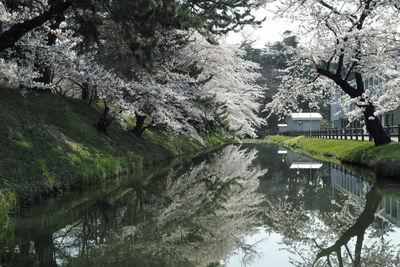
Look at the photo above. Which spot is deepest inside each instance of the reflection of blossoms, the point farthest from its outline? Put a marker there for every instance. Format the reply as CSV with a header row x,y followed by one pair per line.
x,y
199,217
204,213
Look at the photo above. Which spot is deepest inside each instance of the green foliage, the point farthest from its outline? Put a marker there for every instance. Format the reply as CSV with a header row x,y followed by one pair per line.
x,y
143,24
7,201
48,145
384,159
324,124
272,59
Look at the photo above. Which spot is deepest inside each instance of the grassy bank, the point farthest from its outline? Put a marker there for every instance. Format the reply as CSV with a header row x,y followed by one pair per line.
x,y
48,144
385,160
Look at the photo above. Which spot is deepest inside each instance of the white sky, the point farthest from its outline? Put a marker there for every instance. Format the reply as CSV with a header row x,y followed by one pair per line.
x,y
270,31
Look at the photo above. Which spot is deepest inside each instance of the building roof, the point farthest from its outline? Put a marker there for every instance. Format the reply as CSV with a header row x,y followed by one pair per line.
x,y
306,116
282,125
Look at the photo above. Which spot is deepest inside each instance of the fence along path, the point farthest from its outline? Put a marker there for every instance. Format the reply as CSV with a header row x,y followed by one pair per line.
x,y
347,133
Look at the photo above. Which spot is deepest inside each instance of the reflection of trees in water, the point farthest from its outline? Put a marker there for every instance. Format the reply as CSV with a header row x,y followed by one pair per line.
x,y
309,234
191,217
214,205
356,230
199,217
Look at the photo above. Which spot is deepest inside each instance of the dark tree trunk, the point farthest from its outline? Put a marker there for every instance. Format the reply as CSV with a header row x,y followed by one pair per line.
x,y
104,121
139,128
374,127
44,247
85,92
17,31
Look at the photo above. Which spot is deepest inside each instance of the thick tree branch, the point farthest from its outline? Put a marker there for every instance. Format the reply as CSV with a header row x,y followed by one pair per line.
x,y
17,31
352,18
359,81
346,87
350,70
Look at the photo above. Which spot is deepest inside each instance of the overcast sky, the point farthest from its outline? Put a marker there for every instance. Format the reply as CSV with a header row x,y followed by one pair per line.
x,y
270,31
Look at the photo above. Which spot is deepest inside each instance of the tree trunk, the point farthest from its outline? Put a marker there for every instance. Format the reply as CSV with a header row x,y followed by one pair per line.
x,y
139,128
104,121
85,92
45,251
374,127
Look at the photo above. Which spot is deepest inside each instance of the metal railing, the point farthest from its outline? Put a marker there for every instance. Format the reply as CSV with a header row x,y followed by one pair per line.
x,y
347,133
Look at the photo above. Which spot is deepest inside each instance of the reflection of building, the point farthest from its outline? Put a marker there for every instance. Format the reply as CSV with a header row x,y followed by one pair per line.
x,y
282,152
298,161
306,165
348,184
295,157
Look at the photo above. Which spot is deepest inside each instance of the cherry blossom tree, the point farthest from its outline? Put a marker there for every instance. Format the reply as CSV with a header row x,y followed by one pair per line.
x,y
344,43
47,54
175,95
14,25
231,80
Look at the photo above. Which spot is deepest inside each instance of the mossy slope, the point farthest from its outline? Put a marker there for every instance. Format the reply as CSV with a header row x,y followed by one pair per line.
x,y
385,160
48,144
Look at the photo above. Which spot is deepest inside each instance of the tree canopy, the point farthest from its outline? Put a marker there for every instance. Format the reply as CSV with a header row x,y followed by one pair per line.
x,y
343,44
159,60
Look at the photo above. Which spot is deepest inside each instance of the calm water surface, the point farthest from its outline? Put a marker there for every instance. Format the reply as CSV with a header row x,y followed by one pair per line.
x,y
248,205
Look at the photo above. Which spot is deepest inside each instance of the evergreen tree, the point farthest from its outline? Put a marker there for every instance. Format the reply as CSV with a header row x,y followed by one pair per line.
x,y
272,60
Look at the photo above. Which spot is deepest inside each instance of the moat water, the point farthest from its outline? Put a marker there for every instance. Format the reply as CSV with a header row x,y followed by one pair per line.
x,y
242,205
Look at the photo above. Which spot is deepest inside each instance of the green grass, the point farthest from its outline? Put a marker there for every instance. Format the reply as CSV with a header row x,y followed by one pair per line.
x,y
48,144
385,160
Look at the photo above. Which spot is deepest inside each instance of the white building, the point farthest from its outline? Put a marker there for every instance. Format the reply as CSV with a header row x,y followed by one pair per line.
x,y
300,122
282,128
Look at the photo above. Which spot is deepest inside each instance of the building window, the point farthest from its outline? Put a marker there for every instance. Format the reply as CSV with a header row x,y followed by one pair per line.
x,y
343,123
377,81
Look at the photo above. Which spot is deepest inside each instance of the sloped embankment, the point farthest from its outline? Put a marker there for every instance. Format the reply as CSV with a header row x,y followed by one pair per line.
x,y
48,144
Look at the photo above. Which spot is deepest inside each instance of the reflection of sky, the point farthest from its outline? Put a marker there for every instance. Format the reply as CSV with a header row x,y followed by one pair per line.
x,y
393,237
268,251
271,250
